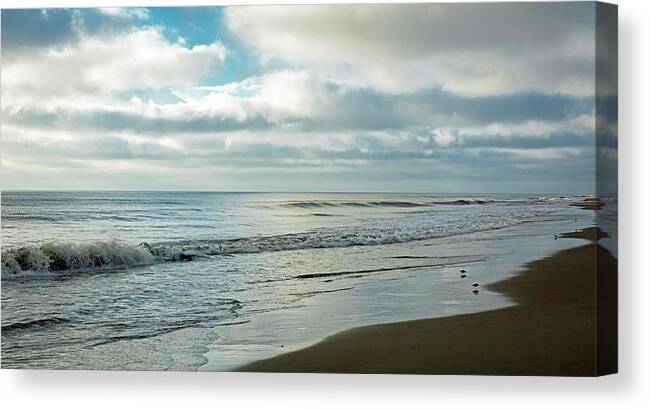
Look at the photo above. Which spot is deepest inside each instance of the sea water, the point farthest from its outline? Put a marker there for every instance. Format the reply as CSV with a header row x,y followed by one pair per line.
x,y
150,280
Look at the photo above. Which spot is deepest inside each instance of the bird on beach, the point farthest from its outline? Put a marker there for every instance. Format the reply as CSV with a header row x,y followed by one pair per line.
x,y
555,236
474,285
475,291
462,271
462,276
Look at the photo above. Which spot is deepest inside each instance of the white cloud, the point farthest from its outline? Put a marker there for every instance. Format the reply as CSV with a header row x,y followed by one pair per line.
x,y
277,96
542,154
96,65
292,102
443,137
583,124
126,12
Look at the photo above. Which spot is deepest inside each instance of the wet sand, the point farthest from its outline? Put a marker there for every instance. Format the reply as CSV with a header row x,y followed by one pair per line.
x,y
550,331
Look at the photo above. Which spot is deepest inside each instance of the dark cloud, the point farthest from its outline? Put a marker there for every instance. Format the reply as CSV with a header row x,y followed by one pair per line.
x,y
36,28
116,121
32,29
556,140
369,109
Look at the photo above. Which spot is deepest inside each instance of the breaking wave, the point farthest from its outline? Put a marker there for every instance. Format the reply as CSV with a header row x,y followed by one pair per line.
x,y
68,257
328,238
62,256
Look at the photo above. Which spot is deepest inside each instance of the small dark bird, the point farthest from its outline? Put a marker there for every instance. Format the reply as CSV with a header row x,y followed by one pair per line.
x,y
475,291
462,276
555,236
462,271
474,285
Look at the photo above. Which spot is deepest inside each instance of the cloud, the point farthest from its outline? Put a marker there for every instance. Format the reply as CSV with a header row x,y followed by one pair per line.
x,y
263,159
26,31
278,96
297,101
141,58
541,154
443,137
427,97
583,124
126,12
467,49
29,28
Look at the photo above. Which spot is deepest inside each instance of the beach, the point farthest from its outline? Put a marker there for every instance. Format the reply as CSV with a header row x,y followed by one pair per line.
x,y
226,188
220,281
550,331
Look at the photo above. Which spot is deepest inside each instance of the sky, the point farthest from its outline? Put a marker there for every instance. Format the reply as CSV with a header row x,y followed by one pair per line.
x,y
496,97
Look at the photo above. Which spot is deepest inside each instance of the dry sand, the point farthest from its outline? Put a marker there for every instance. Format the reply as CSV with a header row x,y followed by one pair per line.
x,y
564,323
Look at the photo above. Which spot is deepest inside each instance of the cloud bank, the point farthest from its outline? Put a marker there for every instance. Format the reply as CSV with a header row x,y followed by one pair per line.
x,y
440,97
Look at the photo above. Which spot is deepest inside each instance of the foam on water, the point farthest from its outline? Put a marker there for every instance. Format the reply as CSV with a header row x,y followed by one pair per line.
x,y
251,254
30,260
336,237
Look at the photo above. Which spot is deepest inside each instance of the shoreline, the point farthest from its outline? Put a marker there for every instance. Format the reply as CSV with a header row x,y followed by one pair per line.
x,y
549,331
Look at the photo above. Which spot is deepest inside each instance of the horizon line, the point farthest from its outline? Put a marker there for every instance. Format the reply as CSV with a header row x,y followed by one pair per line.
x,y
293,192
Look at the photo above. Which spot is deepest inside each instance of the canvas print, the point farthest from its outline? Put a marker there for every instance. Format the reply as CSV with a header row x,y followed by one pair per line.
x,y
350,188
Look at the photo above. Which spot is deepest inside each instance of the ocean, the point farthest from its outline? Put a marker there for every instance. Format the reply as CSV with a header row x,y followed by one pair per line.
x,y
181,280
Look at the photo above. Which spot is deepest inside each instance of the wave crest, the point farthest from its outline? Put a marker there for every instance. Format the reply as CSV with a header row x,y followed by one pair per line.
x,y
341,237
61,256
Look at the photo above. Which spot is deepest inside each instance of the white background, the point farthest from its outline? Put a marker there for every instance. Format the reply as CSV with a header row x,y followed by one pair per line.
x,y
628,389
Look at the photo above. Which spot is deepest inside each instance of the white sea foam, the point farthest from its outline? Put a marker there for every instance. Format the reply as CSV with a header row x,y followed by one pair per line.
x,y
31,260
331,238
69,257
